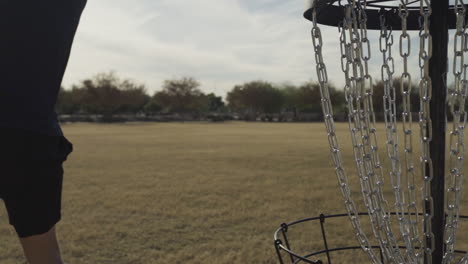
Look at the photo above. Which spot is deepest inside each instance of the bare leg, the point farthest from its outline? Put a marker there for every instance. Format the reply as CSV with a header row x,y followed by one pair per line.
x,y
42,249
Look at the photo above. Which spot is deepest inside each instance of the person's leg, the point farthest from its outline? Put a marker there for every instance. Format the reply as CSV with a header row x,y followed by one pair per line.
x,y
42,249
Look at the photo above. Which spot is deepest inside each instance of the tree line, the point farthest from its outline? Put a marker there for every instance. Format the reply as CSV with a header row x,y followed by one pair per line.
x,y
107,95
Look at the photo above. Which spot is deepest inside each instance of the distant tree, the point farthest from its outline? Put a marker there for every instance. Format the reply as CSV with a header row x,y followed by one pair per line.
x,y
106,94
71,101
255,97
65,102
338,99
307,98
102,94
133,96
273,101
290,93
237,100
152,107
181,96
215,103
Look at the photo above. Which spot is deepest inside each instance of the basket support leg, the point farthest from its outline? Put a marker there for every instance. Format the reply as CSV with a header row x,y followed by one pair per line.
x,y
322,226
284,231
278,251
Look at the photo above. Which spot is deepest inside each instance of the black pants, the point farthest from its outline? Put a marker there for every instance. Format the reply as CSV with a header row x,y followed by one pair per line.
x,y
31,179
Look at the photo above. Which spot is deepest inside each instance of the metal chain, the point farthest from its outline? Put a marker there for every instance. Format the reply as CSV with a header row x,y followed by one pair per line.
x,y
333,140
362,128
348,44
464,260
390,111
457,99
355,55
407,120
355,113
425,125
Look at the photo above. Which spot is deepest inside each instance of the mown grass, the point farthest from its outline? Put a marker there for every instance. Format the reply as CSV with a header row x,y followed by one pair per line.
x,y
197,193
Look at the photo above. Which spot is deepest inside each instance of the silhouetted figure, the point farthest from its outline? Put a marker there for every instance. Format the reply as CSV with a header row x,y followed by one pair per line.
x,y
35,42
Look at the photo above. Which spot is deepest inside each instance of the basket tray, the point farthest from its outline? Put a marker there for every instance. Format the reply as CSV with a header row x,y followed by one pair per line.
x,y
330,14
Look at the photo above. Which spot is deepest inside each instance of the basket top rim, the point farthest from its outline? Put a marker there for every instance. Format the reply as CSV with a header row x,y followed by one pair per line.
x,y
371,4
331,13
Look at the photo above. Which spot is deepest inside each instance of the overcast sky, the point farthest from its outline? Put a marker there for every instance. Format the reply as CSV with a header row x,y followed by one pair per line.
x,y
219,42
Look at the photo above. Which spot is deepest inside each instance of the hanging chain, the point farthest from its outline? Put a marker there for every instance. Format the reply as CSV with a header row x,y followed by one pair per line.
x,y
348,48
425,125
390,111
464,260
407,120
355,55
457,99
333,140
358,91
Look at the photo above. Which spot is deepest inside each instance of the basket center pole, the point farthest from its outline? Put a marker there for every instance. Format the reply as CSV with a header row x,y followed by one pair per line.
x,y
437,69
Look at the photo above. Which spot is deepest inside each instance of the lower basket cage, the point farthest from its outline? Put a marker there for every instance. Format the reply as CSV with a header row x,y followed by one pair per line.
x,y
286,252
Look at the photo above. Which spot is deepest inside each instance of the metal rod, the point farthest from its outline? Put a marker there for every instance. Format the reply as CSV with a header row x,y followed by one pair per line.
x,y
277,247
438,69
381,255
322,226
284,230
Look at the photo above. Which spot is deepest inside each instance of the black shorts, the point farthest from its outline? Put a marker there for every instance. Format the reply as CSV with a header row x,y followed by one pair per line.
x,y
31,179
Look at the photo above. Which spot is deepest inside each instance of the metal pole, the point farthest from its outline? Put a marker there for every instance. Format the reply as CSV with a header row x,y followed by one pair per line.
x,y
325,243
437,69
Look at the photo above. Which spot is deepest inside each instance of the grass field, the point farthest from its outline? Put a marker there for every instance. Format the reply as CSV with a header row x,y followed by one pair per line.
x,y
197,193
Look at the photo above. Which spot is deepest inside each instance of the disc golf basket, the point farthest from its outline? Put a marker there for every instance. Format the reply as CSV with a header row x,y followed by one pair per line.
x,y
426,196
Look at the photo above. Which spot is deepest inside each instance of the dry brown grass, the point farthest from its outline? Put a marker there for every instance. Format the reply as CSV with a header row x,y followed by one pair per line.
x,y
195,193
